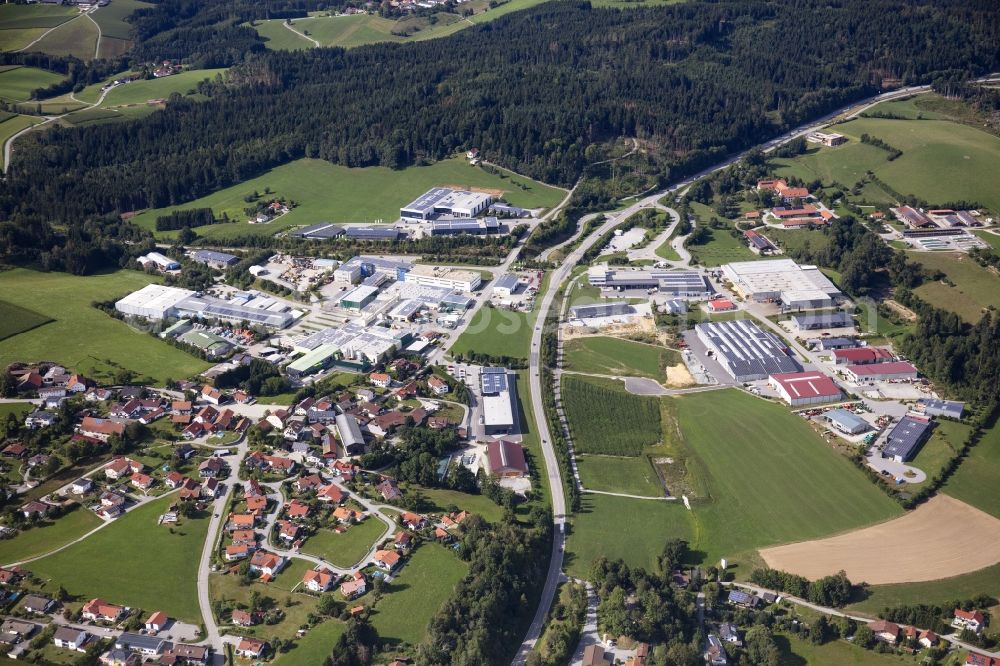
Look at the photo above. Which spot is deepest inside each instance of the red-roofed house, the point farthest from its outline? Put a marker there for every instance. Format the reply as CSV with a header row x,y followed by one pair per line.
x,y
101,610
297,510
972,620
267,564
252,648
101,429
804,388
157,622
319,580
387,559
331,494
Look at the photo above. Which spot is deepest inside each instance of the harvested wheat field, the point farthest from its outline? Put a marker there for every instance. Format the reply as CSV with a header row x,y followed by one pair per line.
x,y
939,539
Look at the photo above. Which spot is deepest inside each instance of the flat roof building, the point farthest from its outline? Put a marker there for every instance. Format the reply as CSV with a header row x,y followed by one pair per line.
x,y
499,401
506,285
687,284
906,438
595,310
359,297
440,276
363,266
314,361
847,422
443,200
744,350
214,259
821,320
321,231
454,226
805,388
826,344
376,233
154,301
782,280
869,374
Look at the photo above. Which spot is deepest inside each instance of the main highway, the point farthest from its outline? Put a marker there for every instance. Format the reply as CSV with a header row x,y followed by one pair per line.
x,y
552,470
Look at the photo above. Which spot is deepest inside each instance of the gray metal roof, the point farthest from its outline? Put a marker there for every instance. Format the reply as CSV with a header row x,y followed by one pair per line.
x,y
848,419
906,437
601,310
745,349
139,642
937,407
349,430
373,233
212,255
838,319
321,230
506,281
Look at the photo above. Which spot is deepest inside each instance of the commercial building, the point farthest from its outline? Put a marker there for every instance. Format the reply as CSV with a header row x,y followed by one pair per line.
x,y
214,346
846,422
881,372
805,388
506,459
686,284
213,259
906,438
826,344
350,434
862,356
439,276
613,309
759,244
934,407
499,401
506,285
744,350
506,210
318,359
376,233
157,302
454,226
783,281
159,261
358,268
442,201
358,297
321,231
817,321
353,345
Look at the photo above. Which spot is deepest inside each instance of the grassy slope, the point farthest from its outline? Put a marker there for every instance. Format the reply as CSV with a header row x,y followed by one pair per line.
x,y
40,540
835,653
345,549
112,18
984,581
946,440
77,37
12,126
975,287
328,192
977,480
722,248
158,572
139,92
633,476
614,356
82,337
13,16
441,499
419,589
770,477
617,527
280,38
17,83
14,319
314,647
499,332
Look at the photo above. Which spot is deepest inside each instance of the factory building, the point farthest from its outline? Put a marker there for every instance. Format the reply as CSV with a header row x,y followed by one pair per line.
x,y
358,268
157,302
377,233
683,284
846,422
358,297
454,226
445,201
439,276
906,438
818,321
158,261
804,388
213,259
499,401
783,281
613,309
506,285
744,350
321,231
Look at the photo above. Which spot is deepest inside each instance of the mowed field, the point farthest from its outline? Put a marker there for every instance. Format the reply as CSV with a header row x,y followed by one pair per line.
x,y
347,549
81,336
112,18
17,83
977,480
769,477
941,538
48,536
500,332
158,573
314,647
76,37
966,586
416,593
722,248
328,192
21,24
14,319
603,355
614,474
974,290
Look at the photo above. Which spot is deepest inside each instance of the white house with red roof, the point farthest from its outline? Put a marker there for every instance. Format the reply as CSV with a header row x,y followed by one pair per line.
x,y
973,620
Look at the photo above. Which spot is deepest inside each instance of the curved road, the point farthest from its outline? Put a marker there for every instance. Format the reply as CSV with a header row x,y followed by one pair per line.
x,y
553,473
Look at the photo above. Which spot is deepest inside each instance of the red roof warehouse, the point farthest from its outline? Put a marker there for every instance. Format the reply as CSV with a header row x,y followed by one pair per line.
x,y
804,388
862,356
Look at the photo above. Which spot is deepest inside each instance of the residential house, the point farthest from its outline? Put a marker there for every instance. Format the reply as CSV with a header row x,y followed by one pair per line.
x,y
331,494
256,504
81,486
716,652
100,610
147,646
69,638
297,510
37,604
252,648
972,620
437,385
354,586
210,488
39,419
741,598
267,564
242,618
928,638
142,481
244,537
380,379
101,429
211,395
310,482
387,559
173,479
402,541
729,633
413,521
239,551
211,467
241,521
189,654
287,531
885,631
388,489
34,509
594,655
190,490
346,516
319,580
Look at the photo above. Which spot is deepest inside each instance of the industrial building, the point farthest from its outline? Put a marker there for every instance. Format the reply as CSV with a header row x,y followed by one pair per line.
x,y
321,231
158,261
499,401
846,422
830,139
744,350
595,310
358,268
826,344
157,302
213,259
213,346
759,244
934,407
685,284
358,297
454,226
440,276
782,281
446,201
805,388
350,434
906,438
912,217
353,345
506,210
862,356
817,321
881,372
506,459
318,359
376,233
506,285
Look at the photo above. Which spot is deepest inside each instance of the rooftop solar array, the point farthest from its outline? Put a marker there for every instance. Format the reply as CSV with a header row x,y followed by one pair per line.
x,y
321,230
617,308
905,437
493,380
745,350
373,233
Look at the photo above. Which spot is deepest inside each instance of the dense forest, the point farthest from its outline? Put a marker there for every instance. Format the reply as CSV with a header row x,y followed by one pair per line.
x,y
533,90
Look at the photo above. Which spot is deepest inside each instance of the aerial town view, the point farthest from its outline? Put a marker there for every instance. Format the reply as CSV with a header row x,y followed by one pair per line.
x,y
520,332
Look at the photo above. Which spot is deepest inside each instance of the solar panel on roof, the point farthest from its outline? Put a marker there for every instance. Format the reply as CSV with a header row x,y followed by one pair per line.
x,y
493,380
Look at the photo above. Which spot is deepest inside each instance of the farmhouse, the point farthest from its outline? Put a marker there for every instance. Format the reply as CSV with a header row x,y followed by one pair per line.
x,y
782,280
782,189
905,438
744,350
499,401
846,422
912,217
885,631
869,374
506,459
804,388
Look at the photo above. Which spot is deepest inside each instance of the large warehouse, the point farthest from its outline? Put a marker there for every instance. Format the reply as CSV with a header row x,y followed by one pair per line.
x,y
499,401
744,350
686,284
905,439
804,388
782,281
613,309
445,201
157,301
440,276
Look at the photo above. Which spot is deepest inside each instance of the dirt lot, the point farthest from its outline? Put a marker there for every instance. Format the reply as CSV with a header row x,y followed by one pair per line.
x,y
939,539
